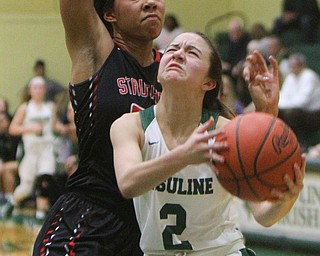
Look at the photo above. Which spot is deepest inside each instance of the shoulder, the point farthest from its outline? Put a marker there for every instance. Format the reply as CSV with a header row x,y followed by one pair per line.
x,y
22,107
127,128
126,123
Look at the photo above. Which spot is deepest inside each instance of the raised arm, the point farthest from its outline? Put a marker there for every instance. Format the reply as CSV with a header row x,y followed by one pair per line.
x,y
88,41
263,84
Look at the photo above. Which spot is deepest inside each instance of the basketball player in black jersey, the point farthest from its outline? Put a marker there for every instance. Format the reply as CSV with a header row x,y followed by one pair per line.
x,y
111,75
114,70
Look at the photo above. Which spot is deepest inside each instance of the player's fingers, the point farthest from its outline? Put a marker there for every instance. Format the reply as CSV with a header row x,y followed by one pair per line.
x,y
214,168
300,172
262,78
258,63
246,74
216,158
206,126
275,67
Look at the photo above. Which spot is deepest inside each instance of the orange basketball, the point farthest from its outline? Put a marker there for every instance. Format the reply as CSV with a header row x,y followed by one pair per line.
x,y
262,149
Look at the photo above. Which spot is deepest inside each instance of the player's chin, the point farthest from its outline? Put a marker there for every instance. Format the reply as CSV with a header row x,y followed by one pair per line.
x,y
153,29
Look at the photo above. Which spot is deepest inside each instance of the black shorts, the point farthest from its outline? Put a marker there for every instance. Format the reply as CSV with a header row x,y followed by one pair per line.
x,y
76,226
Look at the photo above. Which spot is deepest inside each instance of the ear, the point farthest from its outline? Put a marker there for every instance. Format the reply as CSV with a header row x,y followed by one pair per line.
x,y
109,17
210,85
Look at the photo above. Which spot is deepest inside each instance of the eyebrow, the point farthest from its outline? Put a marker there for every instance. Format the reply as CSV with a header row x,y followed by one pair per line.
x,y
188,47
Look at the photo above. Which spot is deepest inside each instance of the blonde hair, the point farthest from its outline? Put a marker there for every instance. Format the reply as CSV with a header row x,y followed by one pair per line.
x,y
37,80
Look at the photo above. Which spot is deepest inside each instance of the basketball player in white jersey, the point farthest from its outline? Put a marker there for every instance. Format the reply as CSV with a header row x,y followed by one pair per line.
x,y
34,121
164,161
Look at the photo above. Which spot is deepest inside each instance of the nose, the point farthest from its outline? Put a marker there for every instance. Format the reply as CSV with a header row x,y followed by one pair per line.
x,y
150,5
178,55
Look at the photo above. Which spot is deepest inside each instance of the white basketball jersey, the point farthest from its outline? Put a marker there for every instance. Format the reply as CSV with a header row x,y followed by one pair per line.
x,y
190,213
40,115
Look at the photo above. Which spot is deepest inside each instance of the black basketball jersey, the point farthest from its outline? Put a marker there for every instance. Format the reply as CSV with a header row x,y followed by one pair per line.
x,y
120,86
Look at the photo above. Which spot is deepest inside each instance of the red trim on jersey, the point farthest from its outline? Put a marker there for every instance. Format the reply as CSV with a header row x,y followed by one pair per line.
x,y
157,55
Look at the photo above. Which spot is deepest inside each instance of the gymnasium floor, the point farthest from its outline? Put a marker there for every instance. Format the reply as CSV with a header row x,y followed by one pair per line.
x,y
17,236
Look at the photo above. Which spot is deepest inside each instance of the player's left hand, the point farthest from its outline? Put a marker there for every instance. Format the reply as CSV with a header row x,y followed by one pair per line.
x,y
294,186
263,83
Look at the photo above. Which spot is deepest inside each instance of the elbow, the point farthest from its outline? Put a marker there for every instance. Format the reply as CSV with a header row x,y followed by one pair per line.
x,y
126,190
12,131
267,223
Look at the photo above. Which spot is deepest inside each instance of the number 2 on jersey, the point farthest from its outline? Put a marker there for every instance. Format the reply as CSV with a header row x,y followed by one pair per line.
x,y
170,230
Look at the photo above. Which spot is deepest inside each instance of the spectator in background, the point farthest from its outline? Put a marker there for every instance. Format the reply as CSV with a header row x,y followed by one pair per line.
x,y
314,152
68,158
299,104
274,47
8,162
4,105
171,28
258,31
299,14
228,95
54,89
35,121
238,40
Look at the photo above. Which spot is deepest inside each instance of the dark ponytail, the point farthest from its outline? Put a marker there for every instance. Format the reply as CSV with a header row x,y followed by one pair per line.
x,y
211,100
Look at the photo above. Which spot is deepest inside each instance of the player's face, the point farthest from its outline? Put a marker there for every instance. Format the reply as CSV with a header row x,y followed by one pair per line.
x,y
139,18
37,90
186,60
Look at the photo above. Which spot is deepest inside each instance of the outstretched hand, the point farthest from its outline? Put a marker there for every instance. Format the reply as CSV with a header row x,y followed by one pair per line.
x,y
263,83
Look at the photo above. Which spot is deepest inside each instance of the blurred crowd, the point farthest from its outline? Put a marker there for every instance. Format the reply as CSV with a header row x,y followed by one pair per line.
x,y
299,104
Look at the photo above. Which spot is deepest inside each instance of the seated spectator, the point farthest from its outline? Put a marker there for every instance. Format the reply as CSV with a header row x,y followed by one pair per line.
x,y
67,131
273,46
314,152
303,15
258,31
171,28
299,104
8,162
228,95
238,39
3,105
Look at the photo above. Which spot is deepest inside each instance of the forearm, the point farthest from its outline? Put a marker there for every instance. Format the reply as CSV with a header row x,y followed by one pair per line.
x,y
17,130
146,175
268,213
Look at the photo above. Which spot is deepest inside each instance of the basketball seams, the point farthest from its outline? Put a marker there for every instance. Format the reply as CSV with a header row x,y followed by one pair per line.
x,y
245,177
265,132
276,165
255,172
233,180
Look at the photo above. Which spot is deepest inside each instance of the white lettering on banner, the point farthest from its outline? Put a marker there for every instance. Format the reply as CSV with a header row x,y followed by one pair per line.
x,y
301,223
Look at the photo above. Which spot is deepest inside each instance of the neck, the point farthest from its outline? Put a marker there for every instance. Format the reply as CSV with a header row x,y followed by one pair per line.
x,y
139,49
178,117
